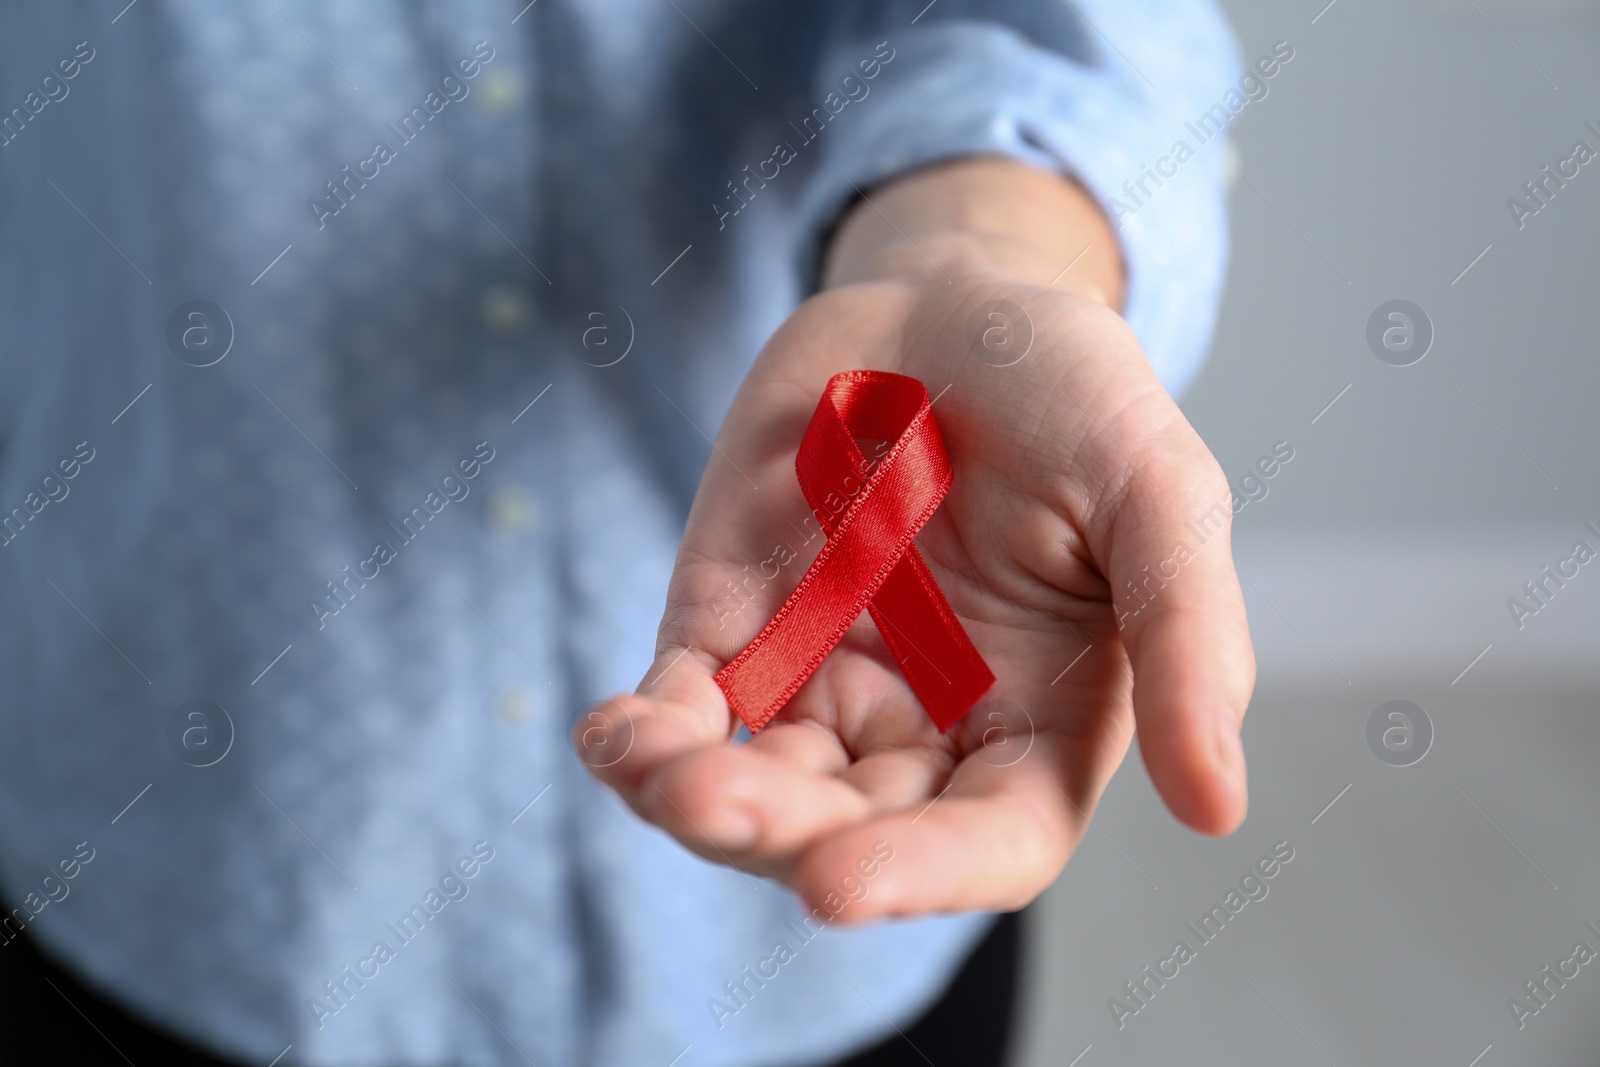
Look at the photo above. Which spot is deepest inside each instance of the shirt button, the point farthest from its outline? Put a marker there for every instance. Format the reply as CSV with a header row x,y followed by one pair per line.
x,y
506,310
514,706
499,93
511,511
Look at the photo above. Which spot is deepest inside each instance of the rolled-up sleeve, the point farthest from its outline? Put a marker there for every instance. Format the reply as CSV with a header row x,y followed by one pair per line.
x,y
1102,92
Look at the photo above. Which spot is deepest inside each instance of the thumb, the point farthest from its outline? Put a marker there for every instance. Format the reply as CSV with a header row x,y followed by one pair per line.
x,y
1182,615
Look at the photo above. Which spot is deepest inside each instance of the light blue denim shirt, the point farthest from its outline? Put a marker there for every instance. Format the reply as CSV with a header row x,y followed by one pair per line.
x,y
356,366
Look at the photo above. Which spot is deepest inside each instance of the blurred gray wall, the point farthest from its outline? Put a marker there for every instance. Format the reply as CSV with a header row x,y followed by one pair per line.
x,y
1392,142
1379,168
1378,567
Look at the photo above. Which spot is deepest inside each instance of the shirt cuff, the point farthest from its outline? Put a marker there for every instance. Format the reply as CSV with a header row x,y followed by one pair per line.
x,y
972,88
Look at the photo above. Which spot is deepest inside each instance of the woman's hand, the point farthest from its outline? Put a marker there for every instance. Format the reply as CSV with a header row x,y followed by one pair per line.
x,y
1075,475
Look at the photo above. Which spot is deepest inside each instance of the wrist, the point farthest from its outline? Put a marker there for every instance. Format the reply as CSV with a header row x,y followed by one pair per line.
x,y
979,216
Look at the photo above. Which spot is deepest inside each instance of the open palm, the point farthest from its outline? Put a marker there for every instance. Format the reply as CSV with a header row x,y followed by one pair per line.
x,y
1075,474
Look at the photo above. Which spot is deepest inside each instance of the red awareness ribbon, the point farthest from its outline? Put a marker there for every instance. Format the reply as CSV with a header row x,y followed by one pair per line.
x,y
868,560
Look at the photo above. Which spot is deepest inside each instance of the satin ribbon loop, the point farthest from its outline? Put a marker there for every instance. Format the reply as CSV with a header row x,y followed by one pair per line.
x,y
871,514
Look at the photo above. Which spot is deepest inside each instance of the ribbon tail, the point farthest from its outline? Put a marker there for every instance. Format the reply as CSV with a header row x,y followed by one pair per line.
x,y
927,640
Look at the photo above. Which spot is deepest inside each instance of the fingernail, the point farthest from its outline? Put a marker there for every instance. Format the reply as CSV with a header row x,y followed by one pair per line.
x,y
1230,752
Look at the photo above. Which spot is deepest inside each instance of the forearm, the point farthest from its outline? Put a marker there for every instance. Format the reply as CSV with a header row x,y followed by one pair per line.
x,y
984,214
